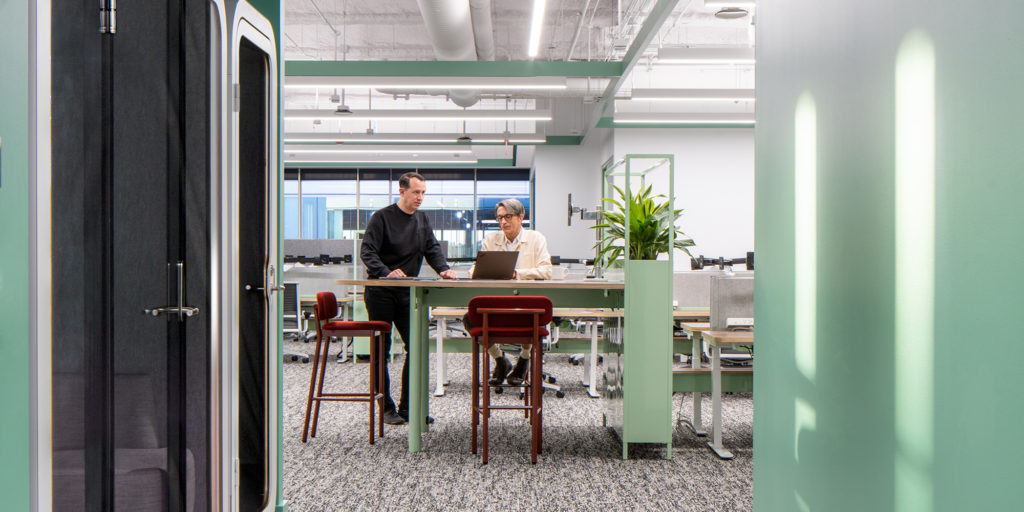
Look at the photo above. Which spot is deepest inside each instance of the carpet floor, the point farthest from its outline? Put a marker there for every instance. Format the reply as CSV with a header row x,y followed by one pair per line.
x,y
581,468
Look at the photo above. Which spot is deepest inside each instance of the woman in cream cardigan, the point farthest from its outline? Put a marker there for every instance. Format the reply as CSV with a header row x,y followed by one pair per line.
x,y
534,262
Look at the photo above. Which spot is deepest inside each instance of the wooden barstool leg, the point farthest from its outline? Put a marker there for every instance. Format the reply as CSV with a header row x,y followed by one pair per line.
x,y
486,409
320,384
373,388
380,383
312,386
476,390
536,366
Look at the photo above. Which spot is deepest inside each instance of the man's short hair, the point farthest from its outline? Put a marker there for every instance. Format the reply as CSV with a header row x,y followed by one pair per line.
x,y
406,178
512,206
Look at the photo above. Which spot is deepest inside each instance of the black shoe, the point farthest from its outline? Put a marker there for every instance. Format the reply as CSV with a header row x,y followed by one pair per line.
x,y
501,369
393,418
518,374
405,418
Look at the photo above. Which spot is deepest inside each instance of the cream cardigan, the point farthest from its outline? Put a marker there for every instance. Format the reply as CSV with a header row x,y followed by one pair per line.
x,y
534,261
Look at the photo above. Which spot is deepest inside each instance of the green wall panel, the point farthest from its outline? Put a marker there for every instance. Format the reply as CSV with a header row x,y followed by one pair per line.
x,y
854,420
14,250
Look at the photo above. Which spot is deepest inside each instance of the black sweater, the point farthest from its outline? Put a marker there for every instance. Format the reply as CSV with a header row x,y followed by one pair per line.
x,y
395,239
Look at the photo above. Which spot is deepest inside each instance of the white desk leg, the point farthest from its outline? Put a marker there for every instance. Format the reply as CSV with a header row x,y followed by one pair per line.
x,y
716,401
697,424
592,365
442,368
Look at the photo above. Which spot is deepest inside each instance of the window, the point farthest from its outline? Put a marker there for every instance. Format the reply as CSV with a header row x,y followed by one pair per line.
x,y
337,203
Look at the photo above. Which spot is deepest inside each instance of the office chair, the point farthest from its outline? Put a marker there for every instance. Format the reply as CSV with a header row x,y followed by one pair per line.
x,y
293,321
519,320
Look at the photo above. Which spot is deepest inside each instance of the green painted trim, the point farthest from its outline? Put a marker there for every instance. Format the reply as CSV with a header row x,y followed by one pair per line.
x,y
483,162
701,383
564,140
452,68
551,140
608,122
15,348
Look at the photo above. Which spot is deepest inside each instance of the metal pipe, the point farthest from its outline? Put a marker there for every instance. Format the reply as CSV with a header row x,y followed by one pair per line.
x,y
579,27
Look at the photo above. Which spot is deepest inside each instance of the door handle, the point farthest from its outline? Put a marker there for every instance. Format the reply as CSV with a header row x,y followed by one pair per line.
x,y
181,310
251,288
186,311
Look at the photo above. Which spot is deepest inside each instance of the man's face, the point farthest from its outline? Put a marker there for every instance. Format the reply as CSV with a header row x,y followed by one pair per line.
x,y
411,198
510,224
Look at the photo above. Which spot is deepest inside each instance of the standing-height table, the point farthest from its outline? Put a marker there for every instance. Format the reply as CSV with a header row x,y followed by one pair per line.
x,y
589,293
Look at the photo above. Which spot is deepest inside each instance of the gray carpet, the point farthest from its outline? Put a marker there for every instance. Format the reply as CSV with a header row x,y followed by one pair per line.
x,y
581,469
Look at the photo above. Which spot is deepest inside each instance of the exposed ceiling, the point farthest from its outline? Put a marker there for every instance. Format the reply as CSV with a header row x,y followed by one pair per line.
x,y
592,30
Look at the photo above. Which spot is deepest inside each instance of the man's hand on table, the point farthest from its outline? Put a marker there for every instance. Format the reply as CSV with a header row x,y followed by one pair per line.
x,y
448,274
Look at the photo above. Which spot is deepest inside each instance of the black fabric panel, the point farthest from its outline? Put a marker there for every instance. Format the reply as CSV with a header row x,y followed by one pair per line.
x,y
197,248
75,65
252,409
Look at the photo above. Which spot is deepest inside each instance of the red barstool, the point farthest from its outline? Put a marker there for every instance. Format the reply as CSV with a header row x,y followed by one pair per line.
x,y
326,309
516,320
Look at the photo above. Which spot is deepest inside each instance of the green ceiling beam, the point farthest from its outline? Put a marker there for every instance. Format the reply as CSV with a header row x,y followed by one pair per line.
x,y
608,122
648,30
451,68
481,163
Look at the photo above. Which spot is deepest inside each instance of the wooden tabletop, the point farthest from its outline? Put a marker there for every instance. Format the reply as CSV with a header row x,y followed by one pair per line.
x,y
692,327
729,337
587,284
567,312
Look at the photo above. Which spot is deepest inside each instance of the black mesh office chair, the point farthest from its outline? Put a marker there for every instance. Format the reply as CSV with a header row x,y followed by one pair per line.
x,y
292,321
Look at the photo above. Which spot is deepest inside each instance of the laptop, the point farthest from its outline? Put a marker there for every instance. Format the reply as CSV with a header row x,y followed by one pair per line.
x,y
495,264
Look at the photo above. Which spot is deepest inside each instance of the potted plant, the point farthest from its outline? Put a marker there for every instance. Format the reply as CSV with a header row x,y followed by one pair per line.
x,y
649,224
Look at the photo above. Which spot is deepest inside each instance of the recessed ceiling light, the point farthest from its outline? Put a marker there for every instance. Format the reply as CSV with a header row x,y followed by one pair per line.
x,y
731,13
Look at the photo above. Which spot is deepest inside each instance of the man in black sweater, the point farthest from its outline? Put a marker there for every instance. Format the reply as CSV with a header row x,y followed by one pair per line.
x,y
397,239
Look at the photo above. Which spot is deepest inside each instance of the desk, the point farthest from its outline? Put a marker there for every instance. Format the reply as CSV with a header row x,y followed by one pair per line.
x,y
715,340
590,293
695,330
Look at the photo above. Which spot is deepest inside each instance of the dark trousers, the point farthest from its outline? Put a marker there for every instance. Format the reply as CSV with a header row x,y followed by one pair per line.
x,y
391,305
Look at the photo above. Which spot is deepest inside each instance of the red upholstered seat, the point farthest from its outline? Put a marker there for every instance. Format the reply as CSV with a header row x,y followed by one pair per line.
x,y
326,309
366,325
508,332
508,319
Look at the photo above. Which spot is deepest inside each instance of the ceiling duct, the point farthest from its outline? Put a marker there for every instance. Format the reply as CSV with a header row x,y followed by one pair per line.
x,y
455,31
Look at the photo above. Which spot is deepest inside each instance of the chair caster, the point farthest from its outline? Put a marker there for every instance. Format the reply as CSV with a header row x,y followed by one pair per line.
x,y
551,379
295,358
560,394
305,359
498,391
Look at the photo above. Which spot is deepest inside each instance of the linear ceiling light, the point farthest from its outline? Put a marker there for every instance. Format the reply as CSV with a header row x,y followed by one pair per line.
x,y
425,115
429,82
399,159
694,94
705,56
536,24
688,118
347,149
729,3
423,138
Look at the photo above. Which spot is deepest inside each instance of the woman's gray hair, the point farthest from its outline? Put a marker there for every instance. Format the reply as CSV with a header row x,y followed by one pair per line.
x,y
512,206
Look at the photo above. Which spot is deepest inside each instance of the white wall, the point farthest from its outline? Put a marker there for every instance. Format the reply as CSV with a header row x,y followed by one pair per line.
x,y
714,182
559,171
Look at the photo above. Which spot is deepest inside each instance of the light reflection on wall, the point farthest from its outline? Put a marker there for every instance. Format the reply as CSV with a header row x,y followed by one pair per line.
x,y
915,273
805,260
805,255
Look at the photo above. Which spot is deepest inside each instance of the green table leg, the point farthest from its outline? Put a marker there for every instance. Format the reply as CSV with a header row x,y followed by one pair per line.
x,y
418,334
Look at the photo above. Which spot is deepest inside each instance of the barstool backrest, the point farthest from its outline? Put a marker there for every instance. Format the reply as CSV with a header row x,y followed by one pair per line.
x,y
326,306
509,302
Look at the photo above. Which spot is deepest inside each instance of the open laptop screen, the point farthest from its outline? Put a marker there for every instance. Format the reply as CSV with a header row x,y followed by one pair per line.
x,y
495,264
